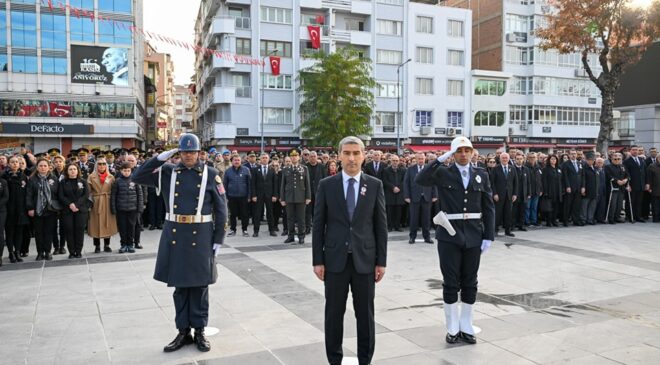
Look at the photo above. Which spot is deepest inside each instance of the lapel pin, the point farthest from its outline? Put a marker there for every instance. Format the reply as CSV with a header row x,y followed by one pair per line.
x,y
363,190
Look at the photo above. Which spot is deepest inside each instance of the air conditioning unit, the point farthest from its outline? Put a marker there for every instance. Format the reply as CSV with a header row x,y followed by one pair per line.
x,y
425,130
459,131
451,132
580,72
511,131
523,127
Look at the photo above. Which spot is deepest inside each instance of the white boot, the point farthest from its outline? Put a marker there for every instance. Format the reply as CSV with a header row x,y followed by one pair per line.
x,y
451,318
466,319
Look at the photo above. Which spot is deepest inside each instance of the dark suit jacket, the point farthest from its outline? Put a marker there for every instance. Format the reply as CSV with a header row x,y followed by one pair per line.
x,y
524,183
414,191
332,228
502,185
371,170
263,187
393,178
572,178
637,173
455,199
591,182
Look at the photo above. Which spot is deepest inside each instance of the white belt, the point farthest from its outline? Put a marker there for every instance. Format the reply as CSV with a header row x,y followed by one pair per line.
x,y
189,219
463,216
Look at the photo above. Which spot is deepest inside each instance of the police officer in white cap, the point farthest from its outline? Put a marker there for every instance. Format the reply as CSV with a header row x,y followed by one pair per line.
x,y
466,230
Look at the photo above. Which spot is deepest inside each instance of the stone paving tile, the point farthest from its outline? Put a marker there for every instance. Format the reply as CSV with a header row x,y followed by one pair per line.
x,y
482,353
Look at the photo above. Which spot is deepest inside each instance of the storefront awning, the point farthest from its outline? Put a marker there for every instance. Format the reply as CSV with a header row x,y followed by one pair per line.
x,y
531,145
427,148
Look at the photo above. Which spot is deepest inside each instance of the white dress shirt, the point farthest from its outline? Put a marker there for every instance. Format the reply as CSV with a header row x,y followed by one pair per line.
x,y
356,185
465,174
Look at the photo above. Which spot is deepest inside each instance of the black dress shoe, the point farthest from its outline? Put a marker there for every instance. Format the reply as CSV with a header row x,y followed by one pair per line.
x,y
107,249
285,233
39,257
245,234
24,254
182,339
308,230
273,234
72,256
301,241
48,256
452,338
640,220
428,240
97,249
151,228
62,251
398,229
523,229
138,246
17,257
56,251
78,255
202,343
411,241
255,234
467,338
11,258
231,233
509,234
289,240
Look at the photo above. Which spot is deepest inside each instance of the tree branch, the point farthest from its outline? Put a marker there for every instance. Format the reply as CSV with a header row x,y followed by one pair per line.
x,y
587,67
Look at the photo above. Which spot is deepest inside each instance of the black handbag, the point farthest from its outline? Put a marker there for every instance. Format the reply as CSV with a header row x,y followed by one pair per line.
x,y
545,205
55,206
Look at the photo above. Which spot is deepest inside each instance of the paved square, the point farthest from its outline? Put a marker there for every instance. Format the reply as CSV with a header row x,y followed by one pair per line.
x,y
586,295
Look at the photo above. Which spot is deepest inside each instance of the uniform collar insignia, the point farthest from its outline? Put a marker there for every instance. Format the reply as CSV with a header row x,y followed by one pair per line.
x,y
198,167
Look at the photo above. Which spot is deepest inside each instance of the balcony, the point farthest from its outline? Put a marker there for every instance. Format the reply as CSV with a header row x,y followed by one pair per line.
x,y
223,95
361,7
224,130
337,4
361,38
223,25
304,32
223,62
312,4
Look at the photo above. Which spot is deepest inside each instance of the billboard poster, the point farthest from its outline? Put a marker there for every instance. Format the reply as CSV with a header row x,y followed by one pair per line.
x,y
106,65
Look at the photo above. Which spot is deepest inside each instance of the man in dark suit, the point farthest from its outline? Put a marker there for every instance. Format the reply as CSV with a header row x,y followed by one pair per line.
x,y
590,190
572,172
653,187
349,247
523,192
393,185
317,171
647,198
601,205
637,169
468,211
376,167
505,185
419,199
263,194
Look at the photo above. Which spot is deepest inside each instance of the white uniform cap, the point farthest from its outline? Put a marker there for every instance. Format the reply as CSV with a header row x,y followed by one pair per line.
x,y
459,142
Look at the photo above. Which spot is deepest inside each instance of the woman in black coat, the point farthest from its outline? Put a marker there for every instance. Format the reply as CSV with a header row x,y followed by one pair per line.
x,y
393,186
17,218
4,198
40,202
552,190
74,194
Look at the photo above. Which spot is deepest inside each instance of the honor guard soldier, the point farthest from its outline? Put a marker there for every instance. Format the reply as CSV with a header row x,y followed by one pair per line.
x,y
295,194
193,231
466,229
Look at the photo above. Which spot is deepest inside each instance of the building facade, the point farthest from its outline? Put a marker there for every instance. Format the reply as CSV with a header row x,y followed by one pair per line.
x,y
431,92
183,110
159,68
70,81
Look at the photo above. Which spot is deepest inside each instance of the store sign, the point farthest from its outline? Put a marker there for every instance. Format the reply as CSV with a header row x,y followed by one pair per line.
x,y
290,141
489,139
383,142
592,101
105,65
576,141
547,129
531,140
440,131
431,141
242,131
46,128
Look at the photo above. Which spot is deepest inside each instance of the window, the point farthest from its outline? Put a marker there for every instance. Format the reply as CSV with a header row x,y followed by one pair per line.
x,y
455,119
391,2
518,23
385,119
116,33
518,114
277,116
354,24
489,87
54,65
521,85
424,55
388,89
3,62
116,6
455,28
283,48
388,27
279,82
3,28
83,4
23,29
53,31
455,87
423,86
24,64
423,118
243,46
307,50
520,55
82,29
388,57
489,119
424,24
545,114
242,83
275,15
455,58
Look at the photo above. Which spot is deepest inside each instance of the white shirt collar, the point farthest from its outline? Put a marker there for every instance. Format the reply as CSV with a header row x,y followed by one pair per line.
x,y
346,176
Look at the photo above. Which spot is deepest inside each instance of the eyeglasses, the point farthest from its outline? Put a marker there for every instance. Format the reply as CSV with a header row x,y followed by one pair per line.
x,y
101,163
616,159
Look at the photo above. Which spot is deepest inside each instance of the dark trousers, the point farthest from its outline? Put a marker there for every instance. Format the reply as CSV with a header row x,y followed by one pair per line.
x,y
420,211
309,214
616,203
363,288
635,206
127,225
3,220
503,213
278,212
97,241
238,208
138,228
156,209
27,236
459,266
394,216
14,236
572,207
656,208
295,214
74,227
601,208
552,214
261,204
405,220
44,230
519,212
59,239
192,307
646,204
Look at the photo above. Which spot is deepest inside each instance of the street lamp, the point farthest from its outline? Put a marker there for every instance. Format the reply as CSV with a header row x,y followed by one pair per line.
x,y
263,89
398,97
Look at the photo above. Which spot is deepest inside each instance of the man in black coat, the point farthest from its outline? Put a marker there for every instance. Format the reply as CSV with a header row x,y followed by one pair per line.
x,y
349,248
590,190
393,185
536,183
465,201
376,167
523,192
419,199
505,186
573,174
263,194
636,167
617,177
317,171
601,205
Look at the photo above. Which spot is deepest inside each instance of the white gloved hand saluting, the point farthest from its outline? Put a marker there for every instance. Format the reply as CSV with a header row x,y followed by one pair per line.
x,y
485,245
216,248
446,156
166,155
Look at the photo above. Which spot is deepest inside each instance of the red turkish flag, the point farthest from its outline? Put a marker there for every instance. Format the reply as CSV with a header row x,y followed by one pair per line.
x,y
315,35
320,19
274,65
59,110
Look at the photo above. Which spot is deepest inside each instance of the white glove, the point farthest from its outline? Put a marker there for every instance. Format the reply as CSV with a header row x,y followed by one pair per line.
x,y
166,155
485,245
445,157
216,249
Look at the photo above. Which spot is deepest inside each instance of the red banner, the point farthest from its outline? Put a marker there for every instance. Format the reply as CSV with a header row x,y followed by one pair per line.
x,y
274,65
58,110
315,35
320,19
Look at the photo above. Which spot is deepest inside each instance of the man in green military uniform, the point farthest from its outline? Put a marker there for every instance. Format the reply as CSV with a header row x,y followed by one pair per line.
x,y
295,194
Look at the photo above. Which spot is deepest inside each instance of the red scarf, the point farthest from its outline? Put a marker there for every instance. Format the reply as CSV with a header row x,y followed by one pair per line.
x,y
103,176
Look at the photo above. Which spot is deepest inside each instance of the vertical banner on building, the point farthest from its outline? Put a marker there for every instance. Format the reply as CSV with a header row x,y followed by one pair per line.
x,y
274,65
315,35
106,65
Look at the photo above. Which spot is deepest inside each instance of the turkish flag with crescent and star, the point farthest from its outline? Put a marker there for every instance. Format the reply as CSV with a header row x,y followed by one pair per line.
x,y
275,65
315,35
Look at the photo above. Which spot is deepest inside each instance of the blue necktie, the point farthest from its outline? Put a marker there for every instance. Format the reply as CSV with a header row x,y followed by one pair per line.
x,y
350,198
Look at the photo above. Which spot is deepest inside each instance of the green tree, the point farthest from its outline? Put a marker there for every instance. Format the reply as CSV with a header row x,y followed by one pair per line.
x,y
614,30
337,97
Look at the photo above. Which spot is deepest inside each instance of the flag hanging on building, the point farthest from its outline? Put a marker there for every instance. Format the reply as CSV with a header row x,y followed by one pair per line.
x,y
274,65
315,35
320,19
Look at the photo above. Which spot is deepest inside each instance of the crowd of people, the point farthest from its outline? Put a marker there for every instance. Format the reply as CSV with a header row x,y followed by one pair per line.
x,y
55,199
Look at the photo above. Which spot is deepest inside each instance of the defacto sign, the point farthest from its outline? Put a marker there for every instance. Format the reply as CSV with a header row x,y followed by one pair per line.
x,y
46,128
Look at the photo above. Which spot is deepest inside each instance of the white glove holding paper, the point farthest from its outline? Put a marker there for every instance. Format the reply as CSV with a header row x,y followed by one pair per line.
x,y
166,155
216,248
485,245
442,220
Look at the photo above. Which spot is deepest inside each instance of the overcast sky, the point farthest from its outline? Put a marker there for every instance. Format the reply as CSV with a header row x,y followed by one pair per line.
x,y
175,19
